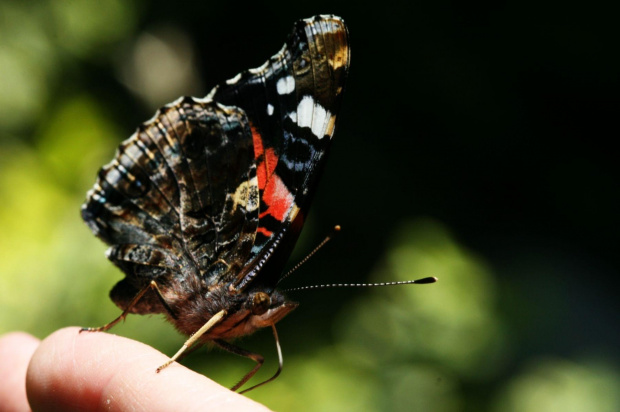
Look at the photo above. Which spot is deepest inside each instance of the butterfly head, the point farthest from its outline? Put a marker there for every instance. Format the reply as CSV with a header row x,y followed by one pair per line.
x,y
267,309
253,310
246,311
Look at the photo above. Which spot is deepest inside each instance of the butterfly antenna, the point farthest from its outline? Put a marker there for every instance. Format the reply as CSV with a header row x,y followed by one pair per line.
x,y
329,237
364,285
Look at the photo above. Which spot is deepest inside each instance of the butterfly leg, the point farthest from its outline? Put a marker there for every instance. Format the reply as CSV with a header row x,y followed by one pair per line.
x,y
255,357
215,319
122,316
189,351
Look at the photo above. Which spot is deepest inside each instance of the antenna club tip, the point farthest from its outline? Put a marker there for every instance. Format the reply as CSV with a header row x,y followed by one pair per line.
x,y
431,279
337,228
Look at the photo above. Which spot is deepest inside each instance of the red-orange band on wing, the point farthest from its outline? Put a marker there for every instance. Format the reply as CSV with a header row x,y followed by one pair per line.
x,y
275,194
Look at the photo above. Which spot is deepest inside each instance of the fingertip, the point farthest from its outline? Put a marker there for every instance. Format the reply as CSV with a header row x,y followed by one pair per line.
x,y
51,370
16,349
92,371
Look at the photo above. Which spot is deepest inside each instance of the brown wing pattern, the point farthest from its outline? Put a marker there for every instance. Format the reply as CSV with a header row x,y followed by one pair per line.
x,y
180,198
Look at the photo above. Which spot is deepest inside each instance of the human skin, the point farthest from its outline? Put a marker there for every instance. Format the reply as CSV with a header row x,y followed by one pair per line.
x,y
72,371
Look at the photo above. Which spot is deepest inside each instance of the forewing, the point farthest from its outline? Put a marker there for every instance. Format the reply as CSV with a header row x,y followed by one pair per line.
x,y
291,102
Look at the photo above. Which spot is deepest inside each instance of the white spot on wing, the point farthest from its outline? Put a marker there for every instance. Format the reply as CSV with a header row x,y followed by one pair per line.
x,y
259,70
313,115
269,109
203,100
286,85
319,121
234,80
304,111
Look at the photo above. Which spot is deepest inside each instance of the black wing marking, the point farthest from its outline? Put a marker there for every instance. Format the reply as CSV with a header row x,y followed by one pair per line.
x,y
291,102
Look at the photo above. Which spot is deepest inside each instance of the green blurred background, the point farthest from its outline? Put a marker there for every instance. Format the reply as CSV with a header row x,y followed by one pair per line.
x,y
473,145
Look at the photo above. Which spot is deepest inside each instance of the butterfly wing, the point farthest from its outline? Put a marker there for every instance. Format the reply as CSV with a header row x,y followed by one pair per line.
x,y
291,102
179,200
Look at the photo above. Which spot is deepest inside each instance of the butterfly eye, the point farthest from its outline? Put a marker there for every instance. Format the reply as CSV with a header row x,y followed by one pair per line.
x,y
260,303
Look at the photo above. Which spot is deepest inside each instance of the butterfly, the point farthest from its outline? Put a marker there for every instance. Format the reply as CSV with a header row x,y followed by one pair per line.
x,y
202,205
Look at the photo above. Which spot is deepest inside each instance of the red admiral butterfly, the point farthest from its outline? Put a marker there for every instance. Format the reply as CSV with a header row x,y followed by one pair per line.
x,y
204,203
